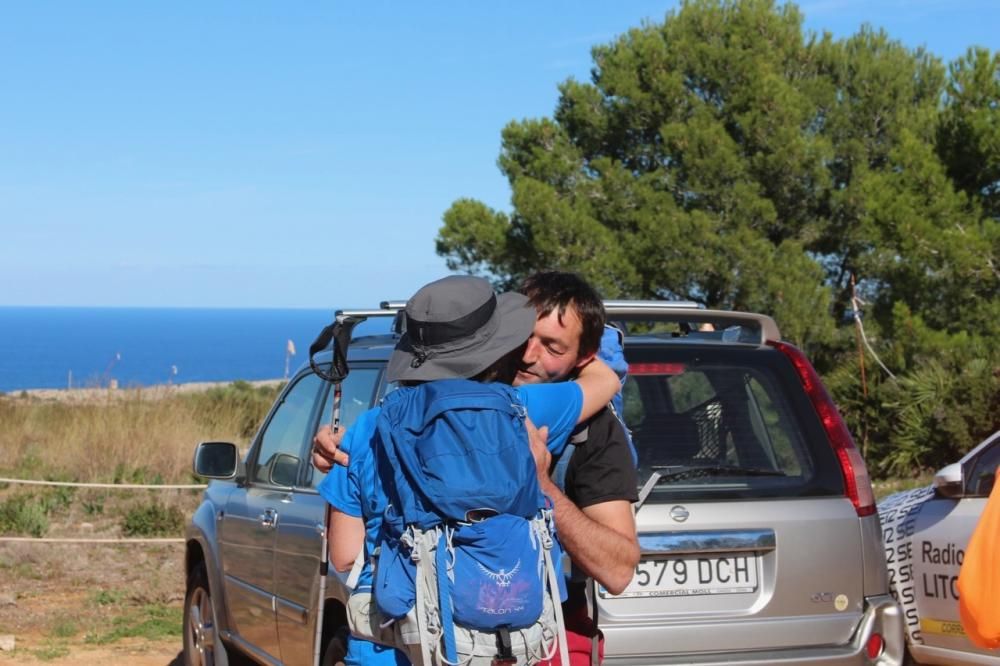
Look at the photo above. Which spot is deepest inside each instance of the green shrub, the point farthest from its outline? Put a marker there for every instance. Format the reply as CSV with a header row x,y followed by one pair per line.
x,y
23,515
107,597
137,475
151,622
239,400
63,627
94,506
153,520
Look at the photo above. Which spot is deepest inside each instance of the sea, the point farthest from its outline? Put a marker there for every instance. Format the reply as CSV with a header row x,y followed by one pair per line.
x,y
87,347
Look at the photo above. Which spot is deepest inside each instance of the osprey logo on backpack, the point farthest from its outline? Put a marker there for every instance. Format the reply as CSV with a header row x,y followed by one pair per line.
x,y
446,450
502,577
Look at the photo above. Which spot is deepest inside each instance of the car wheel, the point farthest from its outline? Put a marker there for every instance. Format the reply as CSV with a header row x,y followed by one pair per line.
x,y
202,643
336,649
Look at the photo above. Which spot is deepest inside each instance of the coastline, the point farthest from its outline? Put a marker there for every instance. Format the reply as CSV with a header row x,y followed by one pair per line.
x,y
102,394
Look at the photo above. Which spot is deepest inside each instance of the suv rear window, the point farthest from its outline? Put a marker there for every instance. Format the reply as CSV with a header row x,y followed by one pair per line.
x,y
725,423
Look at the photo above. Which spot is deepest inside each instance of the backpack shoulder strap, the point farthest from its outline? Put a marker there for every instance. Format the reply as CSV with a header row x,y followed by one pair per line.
x,y
562,465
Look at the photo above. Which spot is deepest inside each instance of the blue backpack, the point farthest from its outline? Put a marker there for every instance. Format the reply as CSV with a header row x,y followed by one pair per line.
x,y
465,560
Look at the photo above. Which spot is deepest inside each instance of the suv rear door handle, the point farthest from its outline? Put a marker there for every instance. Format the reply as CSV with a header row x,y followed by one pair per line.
x,y
269,518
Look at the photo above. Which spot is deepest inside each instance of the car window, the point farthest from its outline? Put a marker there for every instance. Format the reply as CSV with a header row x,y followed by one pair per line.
x,y
735,424
358,395
980,480
282,443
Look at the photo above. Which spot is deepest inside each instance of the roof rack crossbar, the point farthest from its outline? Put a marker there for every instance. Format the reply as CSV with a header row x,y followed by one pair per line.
x,y
363,314
610,306
620,310
764,325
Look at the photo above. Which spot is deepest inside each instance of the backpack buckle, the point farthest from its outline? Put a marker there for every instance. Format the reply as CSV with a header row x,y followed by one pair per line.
x,y
505,655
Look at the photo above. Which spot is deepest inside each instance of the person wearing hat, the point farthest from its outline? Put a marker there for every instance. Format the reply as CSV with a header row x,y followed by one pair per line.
x,y
456,328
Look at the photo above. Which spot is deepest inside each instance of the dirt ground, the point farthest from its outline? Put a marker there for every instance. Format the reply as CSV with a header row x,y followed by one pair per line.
x,y
91,604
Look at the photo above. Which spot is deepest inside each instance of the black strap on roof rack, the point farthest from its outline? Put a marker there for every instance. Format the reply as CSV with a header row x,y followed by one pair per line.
x,y
339,334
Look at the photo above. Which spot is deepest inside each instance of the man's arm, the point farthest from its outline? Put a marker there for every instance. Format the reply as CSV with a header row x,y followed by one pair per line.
x,y
600,538
346,537
345,533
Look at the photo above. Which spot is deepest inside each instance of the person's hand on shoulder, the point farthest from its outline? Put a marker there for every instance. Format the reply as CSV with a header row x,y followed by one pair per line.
x,y
538,438
326,449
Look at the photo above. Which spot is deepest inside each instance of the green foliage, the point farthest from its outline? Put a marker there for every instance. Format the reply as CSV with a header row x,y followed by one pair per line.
x,y
23,515
136,475
108,597
64,627
969,131
240,400
94,506
725,156
53,650
153,520
28,513
151,622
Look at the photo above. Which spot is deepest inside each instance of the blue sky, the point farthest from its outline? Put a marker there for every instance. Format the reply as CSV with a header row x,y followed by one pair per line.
x,y
294,154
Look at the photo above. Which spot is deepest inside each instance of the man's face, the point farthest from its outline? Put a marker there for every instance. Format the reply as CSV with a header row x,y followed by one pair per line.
x,y
553,351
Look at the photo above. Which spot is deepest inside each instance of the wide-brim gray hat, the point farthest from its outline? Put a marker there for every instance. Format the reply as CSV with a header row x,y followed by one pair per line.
x,y
456,327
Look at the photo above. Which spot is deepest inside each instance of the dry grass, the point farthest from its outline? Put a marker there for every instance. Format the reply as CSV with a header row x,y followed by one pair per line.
x,y
131,435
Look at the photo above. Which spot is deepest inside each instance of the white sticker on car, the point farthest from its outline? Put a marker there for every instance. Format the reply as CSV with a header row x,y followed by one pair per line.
x,y
898,515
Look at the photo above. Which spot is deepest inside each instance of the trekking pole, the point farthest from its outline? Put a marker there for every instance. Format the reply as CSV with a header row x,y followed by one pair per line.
x,y
336,336
337,394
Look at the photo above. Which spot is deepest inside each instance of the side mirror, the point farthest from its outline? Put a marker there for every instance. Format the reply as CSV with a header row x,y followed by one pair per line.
x,y
216,460
949,481
284,470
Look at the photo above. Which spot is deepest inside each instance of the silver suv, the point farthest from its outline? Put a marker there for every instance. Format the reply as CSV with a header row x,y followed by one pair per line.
x,y
760,541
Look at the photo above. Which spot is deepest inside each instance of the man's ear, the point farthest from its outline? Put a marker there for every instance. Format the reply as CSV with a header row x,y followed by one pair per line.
x,y
584,359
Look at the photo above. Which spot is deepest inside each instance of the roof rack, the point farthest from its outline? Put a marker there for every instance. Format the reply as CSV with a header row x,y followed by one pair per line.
x,y
763,326
619,310
611,306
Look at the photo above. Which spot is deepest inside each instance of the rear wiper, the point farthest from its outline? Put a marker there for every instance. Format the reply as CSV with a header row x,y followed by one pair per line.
x,y
674,471
668,472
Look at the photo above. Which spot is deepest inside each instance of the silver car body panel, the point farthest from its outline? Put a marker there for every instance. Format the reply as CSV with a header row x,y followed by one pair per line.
x,y
781,613
247,538
881,616
298,550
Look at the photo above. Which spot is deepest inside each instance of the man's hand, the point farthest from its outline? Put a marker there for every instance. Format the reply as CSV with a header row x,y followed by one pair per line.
x,y
538,438
326,449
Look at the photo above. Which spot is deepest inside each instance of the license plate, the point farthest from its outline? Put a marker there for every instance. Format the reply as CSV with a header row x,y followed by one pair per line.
x,y
685,576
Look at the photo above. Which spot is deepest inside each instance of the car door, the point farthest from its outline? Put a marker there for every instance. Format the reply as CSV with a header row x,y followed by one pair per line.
x,y
249,525
942,531
298,549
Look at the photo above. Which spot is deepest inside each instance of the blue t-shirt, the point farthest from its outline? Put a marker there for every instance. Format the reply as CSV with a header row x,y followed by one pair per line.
x,y
351,489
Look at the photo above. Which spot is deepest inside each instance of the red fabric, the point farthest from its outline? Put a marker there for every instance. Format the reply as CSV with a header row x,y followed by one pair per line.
x,y
579,635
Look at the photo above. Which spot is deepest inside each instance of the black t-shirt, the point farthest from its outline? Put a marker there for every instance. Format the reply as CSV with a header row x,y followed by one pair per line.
x,y
601,468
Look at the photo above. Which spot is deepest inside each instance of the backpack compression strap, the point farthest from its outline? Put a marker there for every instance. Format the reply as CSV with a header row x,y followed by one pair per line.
x,y
559,478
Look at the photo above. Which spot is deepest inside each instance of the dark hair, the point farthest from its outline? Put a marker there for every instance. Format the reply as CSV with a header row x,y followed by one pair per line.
x,y
555,291
505,368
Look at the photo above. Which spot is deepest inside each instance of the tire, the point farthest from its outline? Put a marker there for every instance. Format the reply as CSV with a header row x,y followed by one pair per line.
x,y
336,649
202,643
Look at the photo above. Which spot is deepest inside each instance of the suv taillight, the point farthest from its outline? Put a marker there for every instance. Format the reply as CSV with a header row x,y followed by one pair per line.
x,y
859,486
